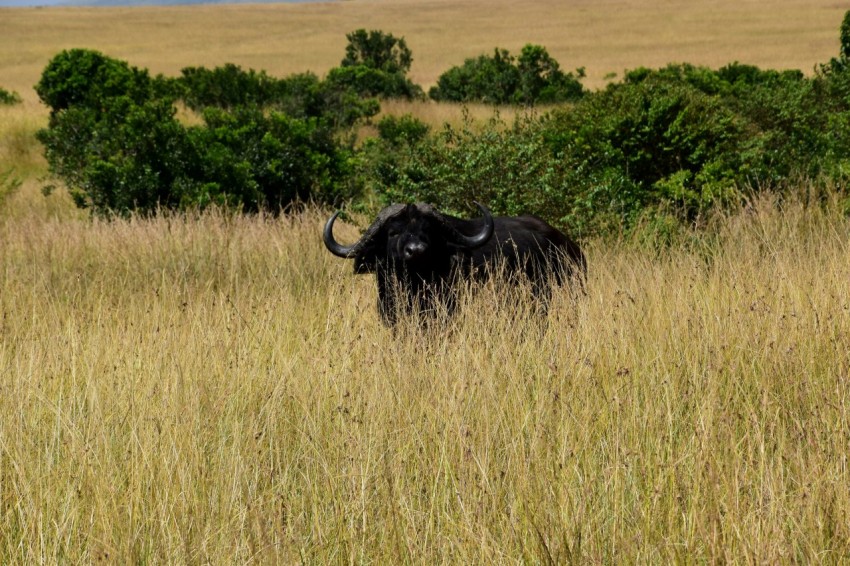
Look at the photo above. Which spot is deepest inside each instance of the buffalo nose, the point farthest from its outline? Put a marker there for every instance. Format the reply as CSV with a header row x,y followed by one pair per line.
x,y
413,249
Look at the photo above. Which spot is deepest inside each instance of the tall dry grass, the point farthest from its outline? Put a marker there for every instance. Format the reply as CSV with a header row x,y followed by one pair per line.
x,y
219,388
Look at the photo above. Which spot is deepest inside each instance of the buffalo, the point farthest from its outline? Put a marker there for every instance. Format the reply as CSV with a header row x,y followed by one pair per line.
x,y
419,254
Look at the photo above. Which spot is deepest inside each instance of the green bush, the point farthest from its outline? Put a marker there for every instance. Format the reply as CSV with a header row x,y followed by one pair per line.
x,y
300,96
121,157
369,82
258,161
402,129
226,87
511,168
119,148
375,64
82,77
9,97
377,50
535,77
677,142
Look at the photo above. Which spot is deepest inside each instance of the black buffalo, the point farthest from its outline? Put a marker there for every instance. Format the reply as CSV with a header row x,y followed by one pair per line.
x,y
417,253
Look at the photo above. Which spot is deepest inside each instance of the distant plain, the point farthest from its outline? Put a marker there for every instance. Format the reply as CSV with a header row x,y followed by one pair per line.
x,y
603,36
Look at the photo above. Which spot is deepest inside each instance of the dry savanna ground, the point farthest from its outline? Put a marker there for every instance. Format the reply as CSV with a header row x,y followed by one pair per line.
x,y
216,388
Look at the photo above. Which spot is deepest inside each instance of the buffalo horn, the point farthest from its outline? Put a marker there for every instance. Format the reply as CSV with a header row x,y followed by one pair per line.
x,y
483,236
335,247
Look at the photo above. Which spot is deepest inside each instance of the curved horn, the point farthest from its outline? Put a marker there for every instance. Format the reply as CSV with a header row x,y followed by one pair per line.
x,y
350,251
483,236
333,246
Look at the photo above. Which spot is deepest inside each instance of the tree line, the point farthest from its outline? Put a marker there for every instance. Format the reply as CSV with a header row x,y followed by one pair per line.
x,y
667,145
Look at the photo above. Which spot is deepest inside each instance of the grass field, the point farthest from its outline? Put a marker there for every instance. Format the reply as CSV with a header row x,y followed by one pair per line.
x,y
605,36
218,389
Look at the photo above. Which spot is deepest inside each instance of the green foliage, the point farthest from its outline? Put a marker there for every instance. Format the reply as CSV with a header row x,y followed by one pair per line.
x,y
492,80
377,50
301,95
535,77
541,79
120,157
9,97
673,143
403,129
508,167
82,77
123,150
255,161
661,147
369,82
226,87
375,65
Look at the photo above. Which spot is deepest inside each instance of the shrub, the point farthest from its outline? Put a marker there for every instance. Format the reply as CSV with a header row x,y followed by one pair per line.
x,y
377,50
122,157
300,96
226,87
82,77
541,79
123,150
404,129
9,97
255,161
369,82
535,77
492,80
375,64
511,168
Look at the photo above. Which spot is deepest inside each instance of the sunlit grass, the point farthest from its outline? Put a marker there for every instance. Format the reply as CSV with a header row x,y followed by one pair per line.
x,y
217,387
606,36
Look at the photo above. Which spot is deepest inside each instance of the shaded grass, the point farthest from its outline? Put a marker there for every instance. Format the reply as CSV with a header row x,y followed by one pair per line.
x,y
219,388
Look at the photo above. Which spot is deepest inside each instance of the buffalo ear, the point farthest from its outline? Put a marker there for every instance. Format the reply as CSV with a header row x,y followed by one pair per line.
x,y
366,262
368,256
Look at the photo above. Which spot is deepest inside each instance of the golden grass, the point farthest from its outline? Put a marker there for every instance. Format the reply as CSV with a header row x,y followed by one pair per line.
x,y
605,36
218,388
215,388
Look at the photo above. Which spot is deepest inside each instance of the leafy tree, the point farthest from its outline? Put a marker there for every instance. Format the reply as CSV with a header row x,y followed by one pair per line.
x,y
368,82
83,77
226,87
542,80
492,80
119,148
534,77
300,96
402,129
375,65
377,50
